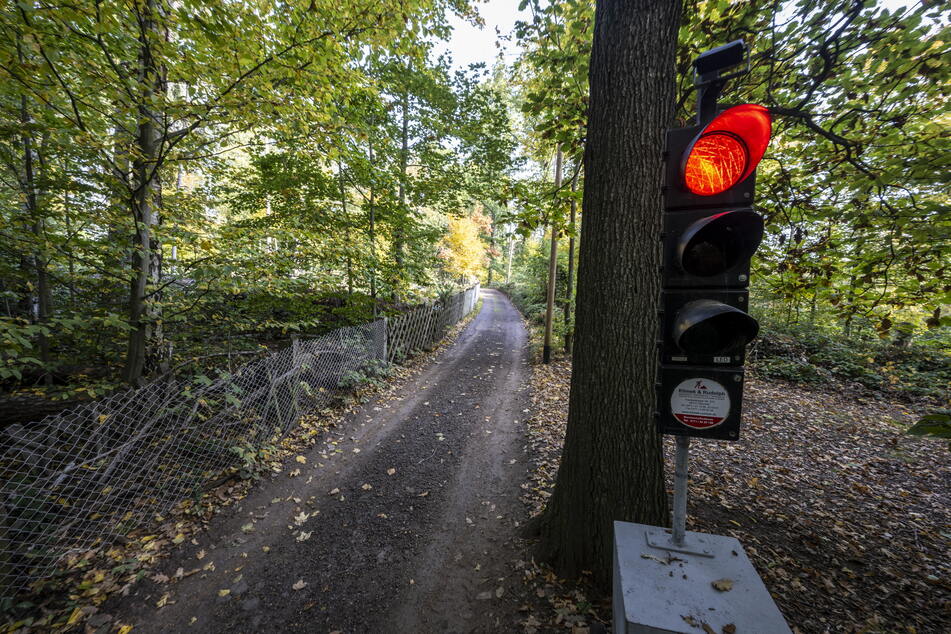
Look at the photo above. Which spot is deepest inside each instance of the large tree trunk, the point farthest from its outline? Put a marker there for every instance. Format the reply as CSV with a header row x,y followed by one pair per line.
x,y
612,464
144,315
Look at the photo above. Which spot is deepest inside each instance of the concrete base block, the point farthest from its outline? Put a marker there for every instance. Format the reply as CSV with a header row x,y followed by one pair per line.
x,y
661,589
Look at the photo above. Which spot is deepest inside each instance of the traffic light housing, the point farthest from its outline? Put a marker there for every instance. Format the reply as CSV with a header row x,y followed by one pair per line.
x,y
710,233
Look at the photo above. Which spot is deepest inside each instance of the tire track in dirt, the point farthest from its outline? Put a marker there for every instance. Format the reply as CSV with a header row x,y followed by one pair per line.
x,y
419,533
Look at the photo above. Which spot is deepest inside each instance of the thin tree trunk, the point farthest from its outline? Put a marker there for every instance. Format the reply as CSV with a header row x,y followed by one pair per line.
x,y
399,230
346,228
612,463
552,265
143,308
491,249
70,258
508,264
850,302
40,304
569,331
372,228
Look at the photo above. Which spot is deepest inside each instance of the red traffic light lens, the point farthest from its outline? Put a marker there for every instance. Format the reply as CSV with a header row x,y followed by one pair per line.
x,y
715,163
727,150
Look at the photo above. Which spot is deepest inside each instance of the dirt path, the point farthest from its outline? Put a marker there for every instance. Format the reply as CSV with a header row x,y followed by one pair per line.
x,y
417,535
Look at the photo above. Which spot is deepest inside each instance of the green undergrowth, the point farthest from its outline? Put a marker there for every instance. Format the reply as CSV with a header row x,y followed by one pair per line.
x,y
807,354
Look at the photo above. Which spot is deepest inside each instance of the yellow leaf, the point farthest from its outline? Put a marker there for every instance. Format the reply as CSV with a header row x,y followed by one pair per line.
x,y
224,592
301,459
74,617
124,629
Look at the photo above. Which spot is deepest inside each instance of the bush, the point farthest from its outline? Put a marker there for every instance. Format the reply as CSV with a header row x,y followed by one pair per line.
x,y
808,354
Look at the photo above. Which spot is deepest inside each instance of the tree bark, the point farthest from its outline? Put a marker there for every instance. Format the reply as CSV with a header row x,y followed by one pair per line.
x,y
492,214
570,280
36,303
346,228
372,230
41,303
399,230
144,309
612,463
552,264
511,253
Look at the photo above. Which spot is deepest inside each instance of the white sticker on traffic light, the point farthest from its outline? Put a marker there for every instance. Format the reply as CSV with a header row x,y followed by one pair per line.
x,y
700,403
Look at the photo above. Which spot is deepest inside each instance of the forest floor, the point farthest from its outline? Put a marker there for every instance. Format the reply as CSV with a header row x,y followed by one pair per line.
x,y
845,517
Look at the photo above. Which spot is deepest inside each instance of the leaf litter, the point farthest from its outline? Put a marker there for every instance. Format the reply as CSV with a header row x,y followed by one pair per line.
x,y
843,515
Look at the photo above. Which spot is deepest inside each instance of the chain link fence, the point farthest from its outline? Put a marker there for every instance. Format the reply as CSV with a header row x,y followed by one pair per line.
x,y
73,479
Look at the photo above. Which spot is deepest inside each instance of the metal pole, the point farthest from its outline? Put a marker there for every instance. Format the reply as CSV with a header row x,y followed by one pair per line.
x,y
680,490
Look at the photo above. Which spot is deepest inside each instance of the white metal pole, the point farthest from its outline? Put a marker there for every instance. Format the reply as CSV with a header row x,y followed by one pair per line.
x,y
680,490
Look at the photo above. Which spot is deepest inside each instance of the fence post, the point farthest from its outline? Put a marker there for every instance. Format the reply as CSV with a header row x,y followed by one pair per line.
x,y
386,336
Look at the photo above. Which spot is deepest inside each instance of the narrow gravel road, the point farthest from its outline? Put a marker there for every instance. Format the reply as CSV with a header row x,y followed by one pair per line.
x,y
418,535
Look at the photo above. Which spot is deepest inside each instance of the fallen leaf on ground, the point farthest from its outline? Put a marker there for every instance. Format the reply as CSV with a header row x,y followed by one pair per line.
x,y
723,585
300,584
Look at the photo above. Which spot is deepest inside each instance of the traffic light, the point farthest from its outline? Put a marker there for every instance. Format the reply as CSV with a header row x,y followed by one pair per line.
x,y
710,233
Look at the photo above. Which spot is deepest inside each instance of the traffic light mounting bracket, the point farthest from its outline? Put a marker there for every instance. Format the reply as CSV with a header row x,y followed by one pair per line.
x,y
709,81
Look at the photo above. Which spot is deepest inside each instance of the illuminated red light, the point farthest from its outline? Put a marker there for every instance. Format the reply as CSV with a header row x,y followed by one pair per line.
x,y
728,150
715,163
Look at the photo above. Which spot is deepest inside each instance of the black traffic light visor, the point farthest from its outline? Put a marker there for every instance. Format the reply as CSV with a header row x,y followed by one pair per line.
x,y
709,327
718,243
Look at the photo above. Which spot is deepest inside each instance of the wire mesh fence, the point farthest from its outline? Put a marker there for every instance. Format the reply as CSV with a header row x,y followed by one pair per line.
x,y
72,479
